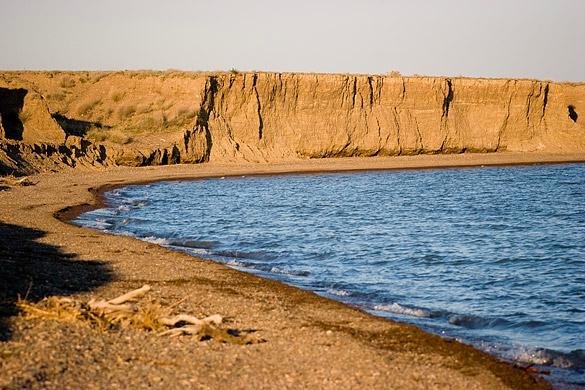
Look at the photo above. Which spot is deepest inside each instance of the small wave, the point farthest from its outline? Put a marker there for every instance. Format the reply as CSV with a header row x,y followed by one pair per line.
x,y
399,309
97,224
195,244
235,263
470,321
288,271
155,240
235,254
339,293
548,357
132,204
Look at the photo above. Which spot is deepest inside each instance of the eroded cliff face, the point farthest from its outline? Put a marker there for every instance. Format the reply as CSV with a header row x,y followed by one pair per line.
x,y
24,115
267,117
56,120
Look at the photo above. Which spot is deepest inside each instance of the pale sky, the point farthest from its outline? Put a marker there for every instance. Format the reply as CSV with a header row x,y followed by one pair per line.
x,y
542,39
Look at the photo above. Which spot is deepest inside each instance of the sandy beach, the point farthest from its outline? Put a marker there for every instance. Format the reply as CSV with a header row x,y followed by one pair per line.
x,y
310,341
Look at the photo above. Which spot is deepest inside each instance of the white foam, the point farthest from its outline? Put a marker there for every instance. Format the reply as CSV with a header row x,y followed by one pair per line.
x,y
97,224
399,309
197,251
532,357
288,271
156,240
339,293
235,263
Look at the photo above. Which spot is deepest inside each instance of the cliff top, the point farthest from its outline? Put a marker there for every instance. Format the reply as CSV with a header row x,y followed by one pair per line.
x,y
197,73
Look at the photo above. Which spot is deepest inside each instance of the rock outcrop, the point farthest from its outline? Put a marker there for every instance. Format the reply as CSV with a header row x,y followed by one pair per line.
x,y
56,120
25,115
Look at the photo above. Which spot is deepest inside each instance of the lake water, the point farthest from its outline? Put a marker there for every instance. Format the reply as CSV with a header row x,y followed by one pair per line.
x,y
494,256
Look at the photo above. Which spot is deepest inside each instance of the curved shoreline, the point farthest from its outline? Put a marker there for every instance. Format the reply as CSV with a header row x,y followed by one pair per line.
x,y
312,341
69,213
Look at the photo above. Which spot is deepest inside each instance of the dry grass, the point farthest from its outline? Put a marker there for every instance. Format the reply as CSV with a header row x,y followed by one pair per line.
x,y
13,181
57,96
98,135
185,116
118,314
125,112
86,108
117,96
67,82
72,311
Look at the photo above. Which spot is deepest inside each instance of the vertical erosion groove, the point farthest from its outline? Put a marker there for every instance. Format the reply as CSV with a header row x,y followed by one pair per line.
x,y
545,100
448,98
354,92
258,107
371,91
198,142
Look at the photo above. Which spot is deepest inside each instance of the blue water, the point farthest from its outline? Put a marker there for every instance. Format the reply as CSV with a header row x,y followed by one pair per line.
x,y
494,257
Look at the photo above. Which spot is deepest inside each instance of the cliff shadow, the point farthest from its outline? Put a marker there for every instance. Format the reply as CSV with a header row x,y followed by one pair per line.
x,y
35,270
76,127
11,103
13,163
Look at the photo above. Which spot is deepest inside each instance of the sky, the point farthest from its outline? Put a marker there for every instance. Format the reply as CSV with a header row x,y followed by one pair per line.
x,y
543,39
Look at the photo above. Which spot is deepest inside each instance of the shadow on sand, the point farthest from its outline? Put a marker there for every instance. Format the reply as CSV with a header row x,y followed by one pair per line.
x,y
35,270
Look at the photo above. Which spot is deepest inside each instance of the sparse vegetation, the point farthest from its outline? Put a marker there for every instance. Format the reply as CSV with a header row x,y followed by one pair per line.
x,y
86,108
125,112
67,82
186,113
234,71
116,96
394,73
98,76
144,109
57,96
101,135
148,123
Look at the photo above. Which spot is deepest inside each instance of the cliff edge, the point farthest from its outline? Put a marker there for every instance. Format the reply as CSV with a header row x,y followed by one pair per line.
x,y
60,120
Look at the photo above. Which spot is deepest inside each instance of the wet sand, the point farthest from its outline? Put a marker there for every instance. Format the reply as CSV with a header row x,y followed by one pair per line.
x,y
310,341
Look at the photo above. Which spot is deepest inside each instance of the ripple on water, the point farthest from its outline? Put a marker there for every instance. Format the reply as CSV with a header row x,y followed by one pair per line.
x,y
491,256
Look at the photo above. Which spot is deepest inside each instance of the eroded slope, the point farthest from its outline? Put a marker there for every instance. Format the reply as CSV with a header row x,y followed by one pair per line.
x,y
56,120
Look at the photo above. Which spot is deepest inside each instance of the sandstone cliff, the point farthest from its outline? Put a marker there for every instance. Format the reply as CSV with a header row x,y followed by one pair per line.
x,y
260,117
55,120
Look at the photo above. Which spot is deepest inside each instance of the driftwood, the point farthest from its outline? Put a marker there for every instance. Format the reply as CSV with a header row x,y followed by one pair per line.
x,y
130,295
215,319
117,304
119,313
107,306
17,182
183,330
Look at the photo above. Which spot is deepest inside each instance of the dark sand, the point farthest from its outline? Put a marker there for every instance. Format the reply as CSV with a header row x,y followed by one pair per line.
x,y
310,341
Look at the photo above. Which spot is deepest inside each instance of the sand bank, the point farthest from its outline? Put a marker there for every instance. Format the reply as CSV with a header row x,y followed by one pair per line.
x,y
310,341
